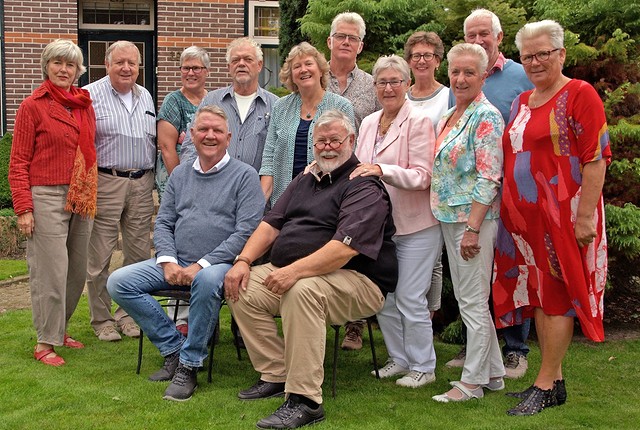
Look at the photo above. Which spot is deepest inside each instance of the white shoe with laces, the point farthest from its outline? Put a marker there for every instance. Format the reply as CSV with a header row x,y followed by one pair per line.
x,y
415,379
391,368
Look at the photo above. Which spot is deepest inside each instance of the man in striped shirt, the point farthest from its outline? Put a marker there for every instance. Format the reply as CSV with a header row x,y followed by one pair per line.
x,y
125,147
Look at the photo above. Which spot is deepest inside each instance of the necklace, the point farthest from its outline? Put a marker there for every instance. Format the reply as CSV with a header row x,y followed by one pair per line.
x,y
384,128
538,98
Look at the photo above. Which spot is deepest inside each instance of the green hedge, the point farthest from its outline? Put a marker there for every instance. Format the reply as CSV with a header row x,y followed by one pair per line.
x,y
5,152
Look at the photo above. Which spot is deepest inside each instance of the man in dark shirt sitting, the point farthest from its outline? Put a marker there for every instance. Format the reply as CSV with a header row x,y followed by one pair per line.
x,y
332,261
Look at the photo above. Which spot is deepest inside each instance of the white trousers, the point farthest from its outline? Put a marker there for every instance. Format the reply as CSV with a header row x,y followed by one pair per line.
x,y
471,286
404,319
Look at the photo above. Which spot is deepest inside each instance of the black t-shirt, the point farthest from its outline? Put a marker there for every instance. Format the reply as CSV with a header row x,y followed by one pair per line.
x,y
356,212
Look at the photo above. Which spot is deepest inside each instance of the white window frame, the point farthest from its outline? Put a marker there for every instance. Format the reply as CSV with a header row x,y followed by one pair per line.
x,y
149,26
263,40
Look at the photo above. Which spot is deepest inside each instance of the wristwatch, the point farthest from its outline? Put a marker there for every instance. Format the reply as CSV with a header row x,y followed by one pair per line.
x,y
241,258
471,229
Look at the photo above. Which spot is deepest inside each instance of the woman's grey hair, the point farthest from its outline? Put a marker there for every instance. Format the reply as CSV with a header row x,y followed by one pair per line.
x,y
301,50
469,49
195,53
546,27
62,49
429,38
496,28
121,44
392,62
334,115
244,41
349,18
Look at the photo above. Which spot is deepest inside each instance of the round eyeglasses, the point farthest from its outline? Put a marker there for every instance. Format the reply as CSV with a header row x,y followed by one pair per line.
x,y
333,143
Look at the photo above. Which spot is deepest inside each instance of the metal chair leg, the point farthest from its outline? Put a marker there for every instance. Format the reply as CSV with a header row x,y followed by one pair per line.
x,y
211,350
373,348
336,346
140,352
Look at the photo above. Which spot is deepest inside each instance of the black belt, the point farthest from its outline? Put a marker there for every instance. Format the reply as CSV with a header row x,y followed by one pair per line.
x,y
133,174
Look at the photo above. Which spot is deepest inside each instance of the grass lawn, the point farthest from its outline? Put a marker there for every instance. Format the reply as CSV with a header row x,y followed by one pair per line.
x,y
12,268
98,389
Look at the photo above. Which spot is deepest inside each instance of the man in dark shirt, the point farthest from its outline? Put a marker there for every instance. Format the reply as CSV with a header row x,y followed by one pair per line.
x,y
332,261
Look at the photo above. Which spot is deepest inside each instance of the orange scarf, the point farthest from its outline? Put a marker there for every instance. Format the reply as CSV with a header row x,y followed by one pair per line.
x,y
83,188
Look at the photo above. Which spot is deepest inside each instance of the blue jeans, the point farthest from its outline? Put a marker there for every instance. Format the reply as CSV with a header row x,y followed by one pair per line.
x,y
132,288
515,338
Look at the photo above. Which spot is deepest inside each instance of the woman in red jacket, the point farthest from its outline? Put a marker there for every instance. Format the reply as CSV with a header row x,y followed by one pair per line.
x,y
53,179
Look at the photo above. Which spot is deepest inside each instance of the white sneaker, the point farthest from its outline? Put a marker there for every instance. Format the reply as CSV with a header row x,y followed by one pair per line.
x,y
391,368
415,379
515,365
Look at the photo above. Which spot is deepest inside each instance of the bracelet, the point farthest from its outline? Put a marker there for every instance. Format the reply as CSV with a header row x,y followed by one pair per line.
x,y
471,229
241,258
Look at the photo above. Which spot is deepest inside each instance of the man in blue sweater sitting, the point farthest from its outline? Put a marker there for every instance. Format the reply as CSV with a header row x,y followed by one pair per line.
x,y
209,209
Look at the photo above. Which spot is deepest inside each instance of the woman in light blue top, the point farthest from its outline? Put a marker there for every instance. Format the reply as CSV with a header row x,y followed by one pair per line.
x,y
288,148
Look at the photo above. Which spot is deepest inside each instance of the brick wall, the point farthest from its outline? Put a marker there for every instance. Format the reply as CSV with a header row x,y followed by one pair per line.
x,y
209,24
28,27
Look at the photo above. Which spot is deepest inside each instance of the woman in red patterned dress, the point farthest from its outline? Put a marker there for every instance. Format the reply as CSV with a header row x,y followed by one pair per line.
x,y
551,250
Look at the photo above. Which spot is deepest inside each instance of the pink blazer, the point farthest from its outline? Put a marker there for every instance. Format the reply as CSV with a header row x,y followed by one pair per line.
x,y
406,159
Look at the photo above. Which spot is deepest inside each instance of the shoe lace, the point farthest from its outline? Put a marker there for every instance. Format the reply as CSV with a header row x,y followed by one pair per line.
x,y
512,360
353,334
129,326
181,377
415,375
286,410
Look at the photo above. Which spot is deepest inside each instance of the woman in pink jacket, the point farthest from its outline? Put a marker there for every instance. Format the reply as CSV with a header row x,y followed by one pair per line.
x,y
397,145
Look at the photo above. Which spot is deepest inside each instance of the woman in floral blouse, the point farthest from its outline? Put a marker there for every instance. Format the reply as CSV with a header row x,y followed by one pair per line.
x,y
465,198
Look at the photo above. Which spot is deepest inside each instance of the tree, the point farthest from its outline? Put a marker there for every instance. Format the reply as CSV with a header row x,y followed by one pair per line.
x,y
290,12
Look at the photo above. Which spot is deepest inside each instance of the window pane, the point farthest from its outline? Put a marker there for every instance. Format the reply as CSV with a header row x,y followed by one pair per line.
x,y
267,21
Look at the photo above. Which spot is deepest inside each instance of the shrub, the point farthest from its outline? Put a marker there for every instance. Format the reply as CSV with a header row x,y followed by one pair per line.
x,y
5,152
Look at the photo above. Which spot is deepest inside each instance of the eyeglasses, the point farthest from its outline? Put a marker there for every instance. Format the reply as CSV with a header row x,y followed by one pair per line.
x,y
428,56
194,69
340,37
333,143
540,56
393,84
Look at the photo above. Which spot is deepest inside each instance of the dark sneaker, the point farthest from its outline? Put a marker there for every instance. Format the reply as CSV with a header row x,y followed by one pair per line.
x,y
183,384
262,390
168,368
515,365
353,336
292,415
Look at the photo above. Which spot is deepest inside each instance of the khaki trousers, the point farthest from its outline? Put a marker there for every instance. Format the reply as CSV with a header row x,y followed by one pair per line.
x,y
306,309
57,258
126,204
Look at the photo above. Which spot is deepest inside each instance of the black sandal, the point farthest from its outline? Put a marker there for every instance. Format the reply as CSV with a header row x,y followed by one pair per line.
x,y
558,385
536,402
520,394
561,391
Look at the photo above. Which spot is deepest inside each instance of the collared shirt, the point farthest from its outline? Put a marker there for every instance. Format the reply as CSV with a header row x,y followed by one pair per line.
x,y
317,208
219,165
498,65
359,91
124,140
198,168
248,136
